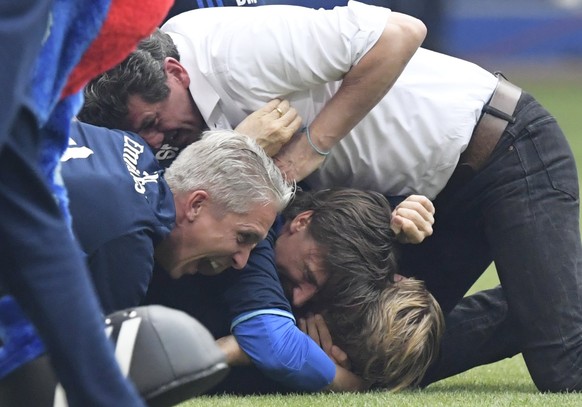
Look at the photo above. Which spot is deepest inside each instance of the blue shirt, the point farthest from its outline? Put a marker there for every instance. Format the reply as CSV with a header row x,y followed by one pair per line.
x,y
121,208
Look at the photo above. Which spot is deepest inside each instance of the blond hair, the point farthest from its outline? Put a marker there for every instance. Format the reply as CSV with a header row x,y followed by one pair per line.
x,y
393,337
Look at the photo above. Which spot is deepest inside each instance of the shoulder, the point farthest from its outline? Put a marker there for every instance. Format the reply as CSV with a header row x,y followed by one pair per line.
x,y
102,140
106,151
114,181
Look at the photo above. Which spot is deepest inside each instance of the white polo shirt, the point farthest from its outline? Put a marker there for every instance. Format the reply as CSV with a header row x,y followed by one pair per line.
x,y
240,58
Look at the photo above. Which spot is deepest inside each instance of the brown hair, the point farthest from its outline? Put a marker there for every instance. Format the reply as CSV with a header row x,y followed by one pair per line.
x,y
352,231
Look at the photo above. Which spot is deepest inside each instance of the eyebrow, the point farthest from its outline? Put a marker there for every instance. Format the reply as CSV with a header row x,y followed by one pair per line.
x,y
250,236
147,123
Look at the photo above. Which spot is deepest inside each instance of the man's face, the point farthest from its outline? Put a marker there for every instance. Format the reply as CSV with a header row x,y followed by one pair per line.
x,y
175,121
213,240
299,261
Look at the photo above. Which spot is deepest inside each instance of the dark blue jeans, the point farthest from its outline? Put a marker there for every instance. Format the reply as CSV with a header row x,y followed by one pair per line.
x,y
521,210
479,330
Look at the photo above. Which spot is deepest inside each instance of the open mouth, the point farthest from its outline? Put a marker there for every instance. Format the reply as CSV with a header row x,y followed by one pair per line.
x,y
212,266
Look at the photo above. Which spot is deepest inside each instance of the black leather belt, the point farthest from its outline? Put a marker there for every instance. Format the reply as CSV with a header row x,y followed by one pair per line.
x,y
496,115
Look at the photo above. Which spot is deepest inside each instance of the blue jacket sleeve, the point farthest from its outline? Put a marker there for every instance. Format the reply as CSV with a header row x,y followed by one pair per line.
x,y
284,353
263,324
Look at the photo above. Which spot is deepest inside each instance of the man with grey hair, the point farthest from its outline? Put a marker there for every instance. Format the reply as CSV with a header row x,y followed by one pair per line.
x,y
205,214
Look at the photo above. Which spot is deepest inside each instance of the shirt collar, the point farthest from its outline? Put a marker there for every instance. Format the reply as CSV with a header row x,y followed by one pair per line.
x,y
203,93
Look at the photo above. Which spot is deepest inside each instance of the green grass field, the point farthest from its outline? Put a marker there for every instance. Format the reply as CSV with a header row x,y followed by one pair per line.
x,y
505,383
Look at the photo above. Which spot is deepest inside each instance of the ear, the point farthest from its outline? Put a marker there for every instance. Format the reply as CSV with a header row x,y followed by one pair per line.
x,y
174,69
196,201
300,222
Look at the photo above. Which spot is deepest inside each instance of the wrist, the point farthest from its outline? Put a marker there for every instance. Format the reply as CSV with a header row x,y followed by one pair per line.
x,y
320,151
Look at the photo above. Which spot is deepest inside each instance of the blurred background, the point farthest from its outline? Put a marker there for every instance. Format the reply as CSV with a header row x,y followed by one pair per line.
x,y
538,35
522,35
515,30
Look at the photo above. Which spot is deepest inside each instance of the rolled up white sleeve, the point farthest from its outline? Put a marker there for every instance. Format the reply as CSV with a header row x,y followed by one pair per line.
x,y
302,48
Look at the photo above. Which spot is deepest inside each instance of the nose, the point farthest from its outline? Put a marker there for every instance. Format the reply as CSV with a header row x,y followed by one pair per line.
x,y
302,294
154,138
240,258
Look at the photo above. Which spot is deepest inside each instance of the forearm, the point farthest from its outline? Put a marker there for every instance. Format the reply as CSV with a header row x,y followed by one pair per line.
x,y
284,353
363,86
346,381
234,353
368,81
293,375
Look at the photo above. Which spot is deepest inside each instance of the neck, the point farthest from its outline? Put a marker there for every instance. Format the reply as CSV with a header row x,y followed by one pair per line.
x,y
163,254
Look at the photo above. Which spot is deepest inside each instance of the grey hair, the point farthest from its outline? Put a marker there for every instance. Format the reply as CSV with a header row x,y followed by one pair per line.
x,y
233,169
